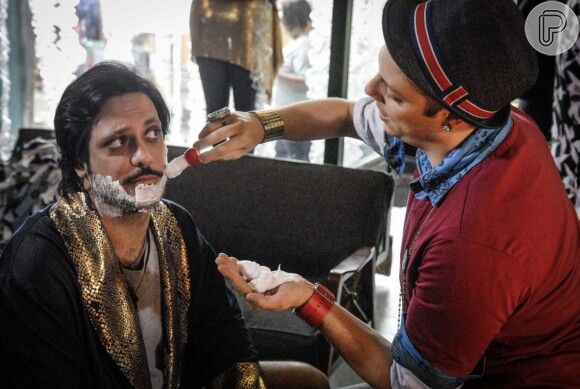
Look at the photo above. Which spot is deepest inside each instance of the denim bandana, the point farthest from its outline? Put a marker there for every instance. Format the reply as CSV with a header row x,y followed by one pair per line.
x,y
436,182
394,154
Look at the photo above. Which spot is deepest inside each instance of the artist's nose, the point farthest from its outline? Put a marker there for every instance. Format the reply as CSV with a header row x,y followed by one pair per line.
x,y
372,88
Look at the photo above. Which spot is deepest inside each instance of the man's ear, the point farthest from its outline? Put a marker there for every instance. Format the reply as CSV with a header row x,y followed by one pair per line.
x,y
83,173
81,170
455,122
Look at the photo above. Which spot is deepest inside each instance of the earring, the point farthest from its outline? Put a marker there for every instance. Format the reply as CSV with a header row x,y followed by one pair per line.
x,y
447,127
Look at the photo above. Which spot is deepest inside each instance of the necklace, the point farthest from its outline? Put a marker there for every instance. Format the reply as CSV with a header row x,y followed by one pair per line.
x,y
404,265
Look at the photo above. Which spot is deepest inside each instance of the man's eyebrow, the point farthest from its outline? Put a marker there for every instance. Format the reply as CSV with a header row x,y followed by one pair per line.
x,y
152,120
118,131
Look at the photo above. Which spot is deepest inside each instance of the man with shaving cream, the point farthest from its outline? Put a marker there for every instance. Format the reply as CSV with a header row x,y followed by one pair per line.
x,y
112,287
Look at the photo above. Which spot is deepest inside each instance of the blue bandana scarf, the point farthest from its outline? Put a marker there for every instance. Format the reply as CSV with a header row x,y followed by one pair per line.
x,y
394,154
436,182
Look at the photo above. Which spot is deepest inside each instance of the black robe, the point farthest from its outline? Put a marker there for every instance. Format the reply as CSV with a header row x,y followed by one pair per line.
x,y
48,337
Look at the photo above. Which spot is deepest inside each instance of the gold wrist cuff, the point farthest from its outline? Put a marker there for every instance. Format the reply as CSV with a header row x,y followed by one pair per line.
x,y
272,123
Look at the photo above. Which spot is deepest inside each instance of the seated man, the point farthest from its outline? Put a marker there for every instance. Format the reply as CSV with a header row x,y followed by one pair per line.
x,y
111,287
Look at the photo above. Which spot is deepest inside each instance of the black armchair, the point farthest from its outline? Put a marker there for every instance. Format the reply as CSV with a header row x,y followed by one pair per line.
x,y
324,222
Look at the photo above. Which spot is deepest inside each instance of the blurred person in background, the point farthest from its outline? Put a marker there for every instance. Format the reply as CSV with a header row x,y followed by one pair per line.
x,y
291,82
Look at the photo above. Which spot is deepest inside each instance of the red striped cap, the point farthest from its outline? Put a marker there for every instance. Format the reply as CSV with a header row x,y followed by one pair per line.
x,y
472,56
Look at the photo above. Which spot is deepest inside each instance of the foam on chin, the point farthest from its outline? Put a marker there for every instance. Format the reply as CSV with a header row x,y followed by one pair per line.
x,y
147,195
112,200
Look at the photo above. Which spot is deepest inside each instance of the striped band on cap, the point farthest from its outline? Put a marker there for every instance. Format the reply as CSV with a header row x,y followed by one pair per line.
x,y
429,55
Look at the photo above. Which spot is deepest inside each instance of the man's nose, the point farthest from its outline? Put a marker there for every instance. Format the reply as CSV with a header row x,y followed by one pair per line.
x,y
142,155
371,89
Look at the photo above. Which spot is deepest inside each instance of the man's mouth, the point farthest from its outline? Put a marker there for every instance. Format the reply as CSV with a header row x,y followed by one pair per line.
x,y
147,179
145,176
112,198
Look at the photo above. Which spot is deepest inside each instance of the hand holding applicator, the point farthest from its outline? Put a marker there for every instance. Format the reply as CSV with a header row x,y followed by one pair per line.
x,y
191,156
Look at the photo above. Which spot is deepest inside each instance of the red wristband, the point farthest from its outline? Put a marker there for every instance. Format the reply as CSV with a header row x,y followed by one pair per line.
x,y
317,306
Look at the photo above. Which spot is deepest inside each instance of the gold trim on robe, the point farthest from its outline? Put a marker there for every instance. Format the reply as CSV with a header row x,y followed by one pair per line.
x,y
106,295
243,375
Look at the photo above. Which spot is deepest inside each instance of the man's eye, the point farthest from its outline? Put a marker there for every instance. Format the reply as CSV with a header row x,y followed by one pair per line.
x,y
117,142
154,133
395,99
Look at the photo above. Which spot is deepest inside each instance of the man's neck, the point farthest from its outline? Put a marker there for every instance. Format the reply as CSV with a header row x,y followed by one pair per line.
x,y
127,234
438,150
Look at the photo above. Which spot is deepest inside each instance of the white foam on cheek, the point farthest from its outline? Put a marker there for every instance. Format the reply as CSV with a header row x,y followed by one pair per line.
x,y
112,200
105,188
116,189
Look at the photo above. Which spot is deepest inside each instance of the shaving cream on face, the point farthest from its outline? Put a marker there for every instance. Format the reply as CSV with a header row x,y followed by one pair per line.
x,y
148,195
112,200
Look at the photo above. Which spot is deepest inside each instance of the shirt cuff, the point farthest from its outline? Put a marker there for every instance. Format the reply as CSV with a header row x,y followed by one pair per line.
x,y
368,124
405,354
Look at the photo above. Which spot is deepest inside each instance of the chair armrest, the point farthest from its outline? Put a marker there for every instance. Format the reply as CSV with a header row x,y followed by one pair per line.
x,y
352,264
352,282
355,261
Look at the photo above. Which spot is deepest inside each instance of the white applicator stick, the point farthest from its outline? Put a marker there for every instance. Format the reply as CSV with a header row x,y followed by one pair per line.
x,y
175,167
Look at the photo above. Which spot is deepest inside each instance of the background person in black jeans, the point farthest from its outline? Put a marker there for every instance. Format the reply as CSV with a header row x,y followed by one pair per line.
x,y
237,46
